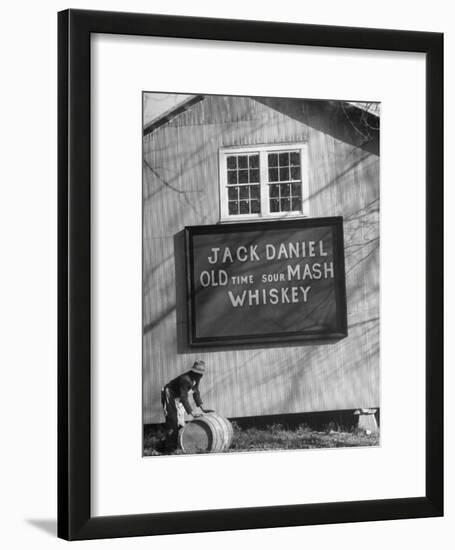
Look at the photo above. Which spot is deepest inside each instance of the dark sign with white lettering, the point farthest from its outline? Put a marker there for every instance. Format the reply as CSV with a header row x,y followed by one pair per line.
x,y
279,281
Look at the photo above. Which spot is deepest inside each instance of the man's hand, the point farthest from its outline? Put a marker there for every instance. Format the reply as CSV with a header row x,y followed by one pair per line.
x,y
207,410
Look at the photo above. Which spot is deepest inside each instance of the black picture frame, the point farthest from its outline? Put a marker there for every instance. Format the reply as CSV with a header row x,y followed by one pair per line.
x,y
75,521
335,224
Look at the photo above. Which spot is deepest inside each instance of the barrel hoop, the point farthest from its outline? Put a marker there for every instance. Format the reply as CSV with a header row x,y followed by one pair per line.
x,y
217,432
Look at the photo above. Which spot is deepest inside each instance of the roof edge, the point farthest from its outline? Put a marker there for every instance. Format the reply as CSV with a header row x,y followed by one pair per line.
x,y
171,113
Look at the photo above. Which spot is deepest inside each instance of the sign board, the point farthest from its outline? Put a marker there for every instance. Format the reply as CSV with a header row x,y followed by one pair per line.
x,y
264,282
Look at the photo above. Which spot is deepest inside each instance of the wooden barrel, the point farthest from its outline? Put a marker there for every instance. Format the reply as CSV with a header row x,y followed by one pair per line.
x,y
210,433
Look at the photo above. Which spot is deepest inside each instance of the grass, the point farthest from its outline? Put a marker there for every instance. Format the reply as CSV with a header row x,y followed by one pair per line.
x,y
276,437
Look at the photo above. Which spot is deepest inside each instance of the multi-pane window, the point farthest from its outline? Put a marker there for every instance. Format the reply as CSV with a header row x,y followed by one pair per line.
x,y
284,169
244,189
263,181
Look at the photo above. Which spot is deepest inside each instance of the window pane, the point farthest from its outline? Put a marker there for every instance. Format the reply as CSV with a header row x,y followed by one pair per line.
x,y
284,174
295,159
285,190
254,176
243,176
284,159
254,161
273,174
244,207
295,173
274,205
244,182
232,162
255,207
233,193
296,204
273,160
244,192
274,190
296,189
285,205
255,191
233,208
232,177
243,161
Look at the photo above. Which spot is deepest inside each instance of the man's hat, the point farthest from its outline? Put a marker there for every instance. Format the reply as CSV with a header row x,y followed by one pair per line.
x,y
199,367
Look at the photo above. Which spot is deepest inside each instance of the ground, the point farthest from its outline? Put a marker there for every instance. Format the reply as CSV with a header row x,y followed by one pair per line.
x,y
275,437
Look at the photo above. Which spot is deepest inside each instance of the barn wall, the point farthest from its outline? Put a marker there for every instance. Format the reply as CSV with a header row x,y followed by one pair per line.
x,y
180,187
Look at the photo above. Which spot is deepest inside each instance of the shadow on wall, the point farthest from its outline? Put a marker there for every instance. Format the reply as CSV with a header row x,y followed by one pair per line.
x,y
330,117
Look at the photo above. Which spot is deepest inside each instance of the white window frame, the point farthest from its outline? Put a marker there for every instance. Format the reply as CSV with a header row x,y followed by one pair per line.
x,y
263,150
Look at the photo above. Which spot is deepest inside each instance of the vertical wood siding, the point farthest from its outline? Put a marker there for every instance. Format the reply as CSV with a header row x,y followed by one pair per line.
x,y
180,187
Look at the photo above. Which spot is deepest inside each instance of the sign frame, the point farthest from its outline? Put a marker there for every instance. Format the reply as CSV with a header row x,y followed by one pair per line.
x,y
315,337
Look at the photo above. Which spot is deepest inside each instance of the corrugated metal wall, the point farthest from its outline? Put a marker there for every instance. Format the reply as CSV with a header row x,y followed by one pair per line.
x,y
180,187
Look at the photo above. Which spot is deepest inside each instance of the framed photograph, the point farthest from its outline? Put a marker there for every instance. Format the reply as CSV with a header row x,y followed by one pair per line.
x,y
250,274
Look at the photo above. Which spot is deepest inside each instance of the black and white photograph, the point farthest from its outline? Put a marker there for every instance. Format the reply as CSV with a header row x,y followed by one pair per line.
x,y
261,273
224,254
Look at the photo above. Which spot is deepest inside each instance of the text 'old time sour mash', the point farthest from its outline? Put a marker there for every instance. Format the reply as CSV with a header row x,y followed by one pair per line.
x,y
299,275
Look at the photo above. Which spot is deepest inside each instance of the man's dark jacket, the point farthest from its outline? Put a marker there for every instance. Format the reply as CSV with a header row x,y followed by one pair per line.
x,y
180,386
